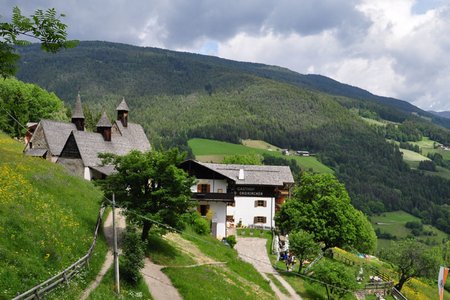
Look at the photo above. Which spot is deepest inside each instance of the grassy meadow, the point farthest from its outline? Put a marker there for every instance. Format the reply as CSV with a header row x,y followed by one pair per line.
x,y
214,151
235,279
47,222
394,224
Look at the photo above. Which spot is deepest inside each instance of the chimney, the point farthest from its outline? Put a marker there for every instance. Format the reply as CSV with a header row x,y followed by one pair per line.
x,y
104,127
77,114
122,112
241,174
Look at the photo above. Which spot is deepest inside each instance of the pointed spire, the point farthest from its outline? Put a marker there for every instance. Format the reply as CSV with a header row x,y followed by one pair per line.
x,y
77,112
123,105
104,121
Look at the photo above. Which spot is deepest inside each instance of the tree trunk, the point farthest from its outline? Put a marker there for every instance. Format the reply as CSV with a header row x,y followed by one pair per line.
x,y
300,262
400,283
145,229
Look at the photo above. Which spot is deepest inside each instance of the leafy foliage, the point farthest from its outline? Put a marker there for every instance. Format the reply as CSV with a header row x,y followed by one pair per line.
x,y
321,206
150,185
24,102
42,25
412,259
340,279
132,259
303,245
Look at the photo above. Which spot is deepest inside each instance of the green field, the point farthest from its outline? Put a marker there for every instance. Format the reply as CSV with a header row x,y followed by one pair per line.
x,y
214,151
394,223
47,221
427,146
411,156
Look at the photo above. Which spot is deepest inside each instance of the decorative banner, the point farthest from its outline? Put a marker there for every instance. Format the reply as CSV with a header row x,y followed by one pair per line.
x,y
443,273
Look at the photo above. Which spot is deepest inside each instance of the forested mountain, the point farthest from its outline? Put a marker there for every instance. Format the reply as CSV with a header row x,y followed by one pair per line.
x,y
177,96
445,114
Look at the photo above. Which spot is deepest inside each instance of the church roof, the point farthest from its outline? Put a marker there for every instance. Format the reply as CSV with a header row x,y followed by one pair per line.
x,y
56,134
90,144
104,121
77,112
123,105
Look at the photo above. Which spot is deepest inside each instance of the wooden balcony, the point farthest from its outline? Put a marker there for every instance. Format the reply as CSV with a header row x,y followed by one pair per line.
x,y
214,196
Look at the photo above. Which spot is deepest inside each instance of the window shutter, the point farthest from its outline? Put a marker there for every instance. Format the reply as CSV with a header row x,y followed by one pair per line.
x,y
208,188
265,203
199,188
264,220
256,203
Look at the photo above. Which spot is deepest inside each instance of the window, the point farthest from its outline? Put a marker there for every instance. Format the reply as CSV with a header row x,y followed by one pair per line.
x,y
220,190
260,203
203,188
230,218
231,204
259,219
204,210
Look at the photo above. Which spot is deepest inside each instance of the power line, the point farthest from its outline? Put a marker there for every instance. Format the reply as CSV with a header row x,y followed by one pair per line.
x,y
243,255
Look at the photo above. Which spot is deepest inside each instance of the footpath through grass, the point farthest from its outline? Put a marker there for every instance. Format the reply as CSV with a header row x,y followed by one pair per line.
x,y
235,279
47,222
214,151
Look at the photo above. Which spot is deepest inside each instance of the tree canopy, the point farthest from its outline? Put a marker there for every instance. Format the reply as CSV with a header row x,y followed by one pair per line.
x,y
303,245
150,185
320,205
45,26
26,102
412,259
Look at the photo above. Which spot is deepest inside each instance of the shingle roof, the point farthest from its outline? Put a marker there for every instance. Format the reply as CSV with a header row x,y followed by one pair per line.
x,y
123,105
56,134
104,121
36,152
90,144
77,112
254,175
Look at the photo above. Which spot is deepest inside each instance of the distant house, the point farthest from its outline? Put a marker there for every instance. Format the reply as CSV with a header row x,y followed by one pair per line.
x,y
77,150
285,151
244,195
303,153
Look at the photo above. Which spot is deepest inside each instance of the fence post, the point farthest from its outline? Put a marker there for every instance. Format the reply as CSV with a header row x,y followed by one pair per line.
x,y
116,254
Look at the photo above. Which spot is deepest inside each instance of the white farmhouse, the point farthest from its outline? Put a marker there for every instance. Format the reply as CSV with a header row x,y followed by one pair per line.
x,y
243,195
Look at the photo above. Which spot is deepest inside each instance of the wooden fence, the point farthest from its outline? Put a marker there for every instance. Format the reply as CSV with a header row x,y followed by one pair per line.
x,y
397,295
45,287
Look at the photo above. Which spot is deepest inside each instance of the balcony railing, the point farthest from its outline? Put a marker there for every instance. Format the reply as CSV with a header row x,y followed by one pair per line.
x,y
213,196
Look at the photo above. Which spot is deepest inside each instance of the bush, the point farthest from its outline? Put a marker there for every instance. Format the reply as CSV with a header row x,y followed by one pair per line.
x,y
201,225
132,259
231,240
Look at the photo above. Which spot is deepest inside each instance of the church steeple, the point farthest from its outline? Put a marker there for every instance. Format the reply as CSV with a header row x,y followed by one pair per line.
x,y
122,112
77,114
104,127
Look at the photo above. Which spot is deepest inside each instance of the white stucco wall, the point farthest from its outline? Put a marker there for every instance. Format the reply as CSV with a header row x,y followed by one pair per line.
x,y
245,210
219,217
87,173
215,185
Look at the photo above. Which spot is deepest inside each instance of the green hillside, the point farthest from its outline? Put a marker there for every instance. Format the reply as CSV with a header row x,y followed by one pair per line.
x,y
179,96
47,221
214,151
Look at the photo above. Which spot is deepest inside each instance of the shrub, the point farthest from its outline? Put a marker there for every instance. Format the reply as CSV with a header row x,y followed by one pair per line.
x,y
132,259
231,240
201,225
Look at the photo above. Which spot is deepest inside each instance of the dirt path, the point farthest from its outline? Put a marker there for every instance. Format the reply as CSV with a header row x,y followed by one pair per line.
x,y
159,284
109,258
253,250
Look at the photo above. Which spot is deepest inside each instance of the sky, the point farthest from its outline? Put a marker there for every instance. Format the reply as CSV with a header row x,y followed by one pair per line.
x,y
394,48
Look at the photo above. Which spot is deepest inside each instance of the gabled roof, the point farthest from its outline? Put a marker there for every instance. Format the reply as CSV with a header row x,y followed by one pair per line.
x,y
77,112
90,144
253,175
123,105
56,134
